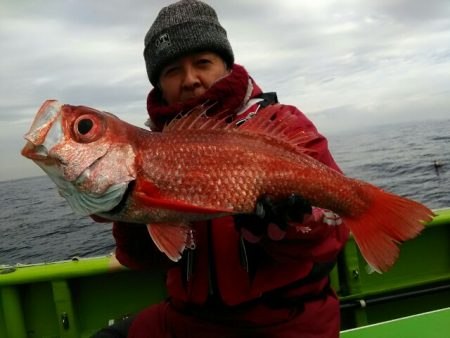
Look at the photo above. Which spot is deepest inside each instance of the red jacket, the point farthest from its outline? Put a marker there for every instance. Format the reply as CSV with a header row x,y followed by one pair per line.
x,y
217,265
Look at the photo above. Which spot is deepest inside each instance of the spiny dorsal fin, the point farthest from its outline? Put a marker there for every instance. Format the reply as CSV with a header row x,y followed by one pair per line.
x,y
284,127
197,119
266,122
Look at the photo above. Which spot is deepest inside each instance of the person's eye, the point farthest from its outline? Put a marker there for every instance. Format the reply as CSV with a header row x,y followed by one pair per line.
x,y
170,70
204,61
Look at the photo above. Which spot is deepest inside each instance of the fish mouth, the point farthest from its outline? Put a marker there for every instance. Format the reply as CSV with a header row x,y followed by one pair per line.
x,y
35,152
41,136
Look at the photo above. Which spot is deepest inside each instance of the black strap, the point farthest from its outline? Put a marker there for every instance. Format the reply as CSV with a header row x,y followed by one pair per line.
x,y
268,99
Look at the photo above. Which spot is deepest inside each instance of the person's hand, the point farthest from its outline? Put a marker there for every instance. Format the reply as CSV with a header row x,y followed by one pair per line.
x,y
272,218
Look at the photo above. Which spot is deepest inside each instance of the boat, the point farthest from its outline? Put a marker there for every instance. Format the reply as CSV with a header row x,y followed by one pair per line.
x,y
75,298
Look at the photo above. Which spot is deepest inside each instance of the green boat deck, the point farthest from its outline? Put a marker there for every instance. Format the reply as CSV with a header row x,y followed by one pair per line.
x,y
433,324
76,298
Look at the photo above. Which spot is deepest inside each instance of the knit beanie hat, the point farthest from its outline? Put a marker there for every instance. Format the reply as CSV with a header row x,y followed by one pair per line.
x,y
184,27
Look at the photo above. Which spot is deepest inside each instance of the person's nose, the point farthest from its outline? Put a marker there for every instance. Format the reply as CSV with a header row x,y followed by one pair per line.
x,y
191,78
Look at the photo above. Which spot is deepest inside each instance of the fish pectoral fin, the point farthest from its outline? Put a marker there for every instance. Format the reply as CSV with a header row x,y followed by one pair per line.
x,y
172,238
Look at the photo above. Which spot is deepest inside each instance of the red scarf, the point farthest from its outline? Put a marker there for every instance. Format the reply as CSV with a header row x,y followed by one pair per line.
x,y
229,93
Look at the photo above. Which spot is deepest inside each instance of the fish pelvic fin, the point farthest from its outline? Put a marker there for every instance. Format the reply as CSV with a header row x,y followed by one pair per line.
x,y
388,222
172,238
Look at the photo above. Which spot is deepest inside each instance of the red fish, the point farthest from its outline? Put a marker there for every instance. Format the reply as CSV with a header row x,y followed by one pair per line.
x,y
200,168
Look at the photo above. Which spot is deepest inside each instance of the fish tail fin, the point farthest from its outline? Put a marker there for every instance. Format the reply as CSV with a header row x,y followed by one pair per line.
x,y
172,239
389,221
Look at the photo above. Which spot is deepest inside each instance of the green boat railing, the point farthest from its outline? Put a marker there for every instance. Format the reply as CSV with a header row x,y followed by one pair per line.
x,y
75,298
419,281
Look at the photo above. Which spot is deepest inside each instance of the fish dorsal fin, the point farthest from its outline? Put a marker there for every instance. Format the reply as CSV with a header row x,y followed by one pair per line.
x,y
282,126
267,122
197,119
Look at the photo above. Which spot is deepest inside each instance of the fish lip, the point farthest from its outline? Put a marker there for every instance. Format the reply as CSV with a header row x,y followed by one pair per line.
x,y
38,145
38,154
45,117
33,152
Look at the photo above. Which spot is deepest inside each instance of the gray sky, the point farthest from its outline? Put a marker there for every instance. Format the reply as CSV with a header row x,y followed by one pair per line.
x,y
346,64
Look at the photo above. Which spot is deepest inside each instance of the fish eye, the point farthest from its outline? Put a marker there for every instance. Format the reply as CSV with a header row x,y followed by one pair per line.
x,y
84,126
87,128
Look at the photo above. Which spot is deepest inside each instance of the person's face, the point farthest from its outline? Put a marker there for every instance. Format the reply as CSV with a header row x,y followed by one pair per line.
x,y
191,76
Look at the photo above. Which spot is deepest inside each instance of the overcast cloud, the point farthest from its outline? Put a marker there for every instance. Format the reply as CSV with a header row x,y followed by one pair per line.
x,y
347,64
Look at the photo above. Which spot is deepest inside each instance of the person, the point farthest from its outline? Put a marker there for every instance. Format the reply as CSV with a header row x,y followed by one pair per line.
x,y
259,275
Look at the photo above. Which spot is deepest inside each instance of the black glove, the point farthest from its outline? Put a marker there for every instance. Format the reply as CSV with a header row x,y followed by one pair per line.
x,y
272,218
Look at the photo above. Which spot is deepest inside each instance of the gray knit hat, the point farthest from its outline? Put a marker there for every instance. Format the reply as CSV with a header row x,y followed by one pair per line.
x,y
184,27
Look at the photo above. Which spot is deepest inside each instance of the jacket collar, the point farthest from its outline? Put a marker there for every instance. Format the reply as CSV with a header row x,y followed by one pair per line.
x,y
229,93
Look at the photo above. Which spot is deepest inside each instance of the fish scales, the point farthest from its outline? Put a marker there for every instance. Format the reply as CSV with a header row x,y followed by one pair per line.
x,y
215,168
